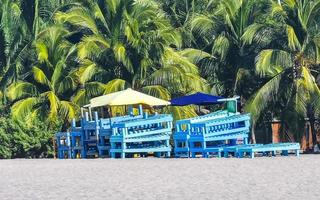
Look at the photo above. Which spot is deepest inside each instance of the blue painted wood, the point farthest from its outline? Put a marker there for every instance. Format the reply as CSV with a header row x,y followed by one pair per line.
x,y
273,148
145,135
183,130
63,145
234,149
209,151
209,135
91,138
217,126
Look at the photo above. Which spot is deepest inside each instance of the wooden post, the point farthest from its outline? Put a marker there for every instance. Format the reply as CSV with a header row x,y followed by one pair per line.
x,y
90,114
86,116
96,118
54,148
275,126
82,111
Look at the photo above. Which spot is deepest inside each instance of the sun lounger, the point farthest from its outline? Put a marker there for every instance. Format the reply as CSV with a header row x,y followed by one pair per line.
x,y
270,148
149,134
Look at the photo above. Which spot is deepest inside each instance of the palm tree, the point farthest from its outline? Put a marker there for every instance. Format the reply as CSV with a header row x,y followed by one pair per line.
x,y
14,41
220,29
20,23
289,65
46,90
180,13
131,44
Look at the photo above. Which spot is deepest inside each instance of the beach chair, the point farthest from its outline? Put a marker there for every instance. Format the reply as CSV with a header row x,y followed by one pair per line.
x,y
273,148
63,145
183,128
224,129
234,149
149,134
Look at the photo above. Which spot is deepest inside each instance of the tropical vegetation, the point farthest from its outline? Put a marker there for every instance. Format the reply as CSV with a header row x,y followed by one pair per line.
x,y
56,55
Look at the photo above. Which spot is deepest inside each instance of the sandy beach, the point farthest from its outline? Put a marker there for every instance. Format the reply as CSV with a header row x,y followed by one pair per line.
x,y
152,178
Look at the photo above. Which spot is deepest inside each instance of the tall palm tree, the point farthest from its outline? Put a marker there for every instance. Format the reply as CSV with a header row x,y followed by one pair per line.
x,y
289,65
20,23
46,90
130,43
220,29
14,40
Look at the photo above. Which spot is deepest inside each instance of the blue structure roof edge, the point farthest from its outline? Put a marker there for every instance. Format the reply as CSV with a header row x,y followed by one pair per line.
x,y
197,99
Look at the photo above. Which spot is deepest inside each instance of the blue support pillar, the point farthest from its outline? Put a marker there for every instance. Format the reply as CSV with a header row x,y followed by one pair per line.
x,y
73,123
245,140
252,154
124,146
86,116
285,152
69,145
112,154
130,110
204,146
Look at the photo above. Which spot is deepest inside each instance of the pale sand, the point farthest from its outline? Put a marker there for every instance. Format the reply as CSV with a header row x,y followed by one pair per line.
x,y
151,178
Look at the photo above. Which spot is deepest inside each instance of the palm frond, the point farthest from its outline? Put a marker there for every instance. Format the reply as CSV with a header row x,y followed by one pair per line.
x,y
181,112
174,58
21,90
113,5
157,91
42,52
203,25
293,41
307,81
92,46
221,47
290,3
40,76
77,16
266,94
194,55
121,56
277,10
270,62
58,73
68,110
87,71
53,104
115,85
251,33
171,37
90,90
23,107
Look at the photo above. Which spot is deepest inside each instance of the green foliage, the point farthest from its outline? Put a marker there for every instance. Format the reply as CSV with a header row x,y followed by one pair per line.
x,y
291,68
46,90
56,55
131,44
23,140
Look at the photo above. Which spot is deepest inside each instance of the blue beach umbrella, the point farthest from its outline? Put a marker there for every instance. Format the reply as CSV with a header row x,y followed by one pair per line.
x,y
196,99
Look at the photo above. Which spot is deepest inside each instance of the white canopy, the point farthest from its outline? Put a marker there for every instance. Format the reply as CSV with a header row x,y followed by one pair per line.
x,y
127,97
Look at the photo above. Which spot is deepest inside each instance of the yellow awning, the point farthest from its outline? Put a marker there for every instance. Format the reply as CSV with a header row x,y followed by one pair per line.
x,y
127,97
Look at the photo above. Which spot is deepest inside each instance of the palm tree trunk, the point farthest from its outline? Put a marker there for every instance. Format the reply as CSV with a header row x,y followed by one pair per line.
x,y
253,135
310,114
36,22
